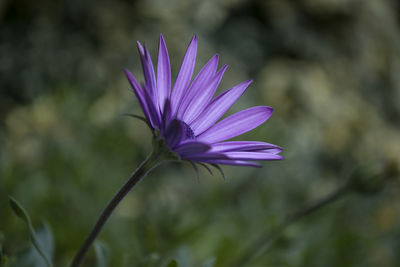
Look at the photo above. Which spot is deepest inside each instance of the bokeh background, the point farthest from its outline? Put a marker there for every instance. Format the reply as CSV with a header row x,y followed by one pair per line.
x,y
330,69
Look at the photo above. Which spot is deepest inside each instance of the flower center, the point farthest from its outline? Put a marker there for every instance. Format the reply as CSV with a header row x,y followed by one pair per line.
x,y
188,131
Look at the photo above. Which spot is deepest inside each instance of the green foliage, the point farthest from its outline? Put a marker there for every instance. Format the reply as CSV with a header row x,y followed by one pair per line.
x,y
102,254
30,256
173,263
328,68
42,243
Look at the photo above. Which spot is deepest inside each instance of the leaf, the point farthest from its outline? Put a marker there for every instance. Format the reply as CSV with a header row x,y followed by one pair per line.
x,y
19,210
21,213
173,263
45,238
102,254
29,256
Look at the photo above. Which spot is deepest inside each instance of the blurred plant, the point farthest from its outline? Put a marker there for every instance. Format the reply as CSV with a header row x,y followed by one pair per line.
x,y
364,181
43,243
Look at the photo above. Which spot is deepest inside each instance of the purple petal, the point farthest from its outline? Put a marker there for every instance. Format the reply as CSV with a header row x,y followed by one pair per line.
x,y
202,97
184,75
236,124
204,77
152,108
218,107
139,95
252,156
272,150
245,146
174,133
207,156
163,73
148,71
140,48
166,116
232,162
191,148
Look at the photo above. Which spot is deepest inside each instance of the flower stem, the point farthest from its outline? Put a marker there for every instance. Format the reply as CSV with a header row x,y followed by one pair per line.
x,y
264,242
152,161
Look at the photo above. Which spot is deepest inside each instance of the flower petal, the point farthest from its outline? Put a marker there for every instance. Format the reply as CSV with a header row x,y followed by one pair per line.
x,y
191,148
244,146
184,75
202,97
163,73
218,107
232,162
205,75
272,150
174,133
148,71
152,108
252,155
207,156
166,116
236,124
139,95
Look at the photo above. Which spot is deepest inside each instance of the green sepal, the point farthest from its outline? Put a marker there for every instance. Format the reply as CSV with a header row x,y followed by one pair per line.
x,y
220,170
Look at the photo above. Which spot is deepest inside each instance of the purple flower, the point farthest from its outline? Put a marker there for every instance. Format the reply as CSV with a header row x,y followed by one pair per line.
x,y
185,116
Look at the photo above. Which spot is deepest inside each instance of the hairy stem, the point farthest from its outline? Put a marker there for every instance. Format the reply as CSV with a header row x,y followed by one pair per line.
x,y
152,161
264,242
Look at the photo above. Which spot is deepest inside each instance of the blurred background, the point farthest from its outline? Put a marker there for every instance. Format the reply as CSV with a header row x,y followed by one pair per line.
x,y
329,68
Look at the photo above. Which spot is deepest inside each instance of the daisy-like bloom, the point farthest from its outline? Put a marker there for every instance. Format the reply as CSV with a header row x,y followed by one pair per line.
x,y
185,116
184,121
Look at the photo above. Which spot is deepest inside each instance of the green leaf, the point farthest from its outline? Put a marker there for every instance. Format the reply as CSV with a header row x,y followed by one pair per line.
x,y
102,254
173,263
29,256
19,210
21,213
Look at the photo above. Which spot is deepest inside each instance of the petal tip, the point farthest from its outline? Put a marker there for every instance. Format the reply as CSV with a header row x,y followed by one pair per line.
x,y
162,40
129,74
248,82
193,42
268,110
140,47
223,69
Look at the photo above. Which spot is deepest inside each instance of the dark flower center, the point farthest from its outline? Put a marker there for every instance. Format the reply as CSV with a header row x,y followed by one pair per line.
x,y
189,134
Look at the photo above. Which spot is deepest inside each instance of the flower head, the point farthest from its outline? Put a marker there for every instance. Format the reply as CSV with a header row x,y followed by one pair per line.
x,y
185,116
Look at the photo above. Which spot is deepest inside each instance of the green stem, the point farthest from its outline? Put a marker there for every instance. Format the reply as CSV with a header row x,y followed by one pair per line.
x,y
264,242
152,161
